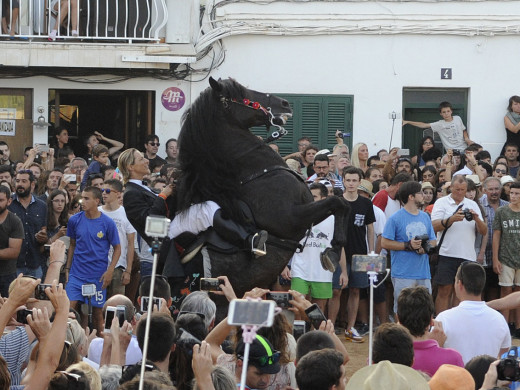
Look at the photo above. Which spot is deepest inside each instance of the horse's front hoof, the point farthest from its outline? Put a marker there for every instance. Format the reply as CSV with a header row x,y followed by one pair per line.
x,y
329,260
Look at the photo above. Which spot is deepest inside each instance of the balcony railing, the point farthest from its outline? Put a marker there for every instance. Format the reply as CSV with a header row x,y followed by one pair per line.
x,y
84,20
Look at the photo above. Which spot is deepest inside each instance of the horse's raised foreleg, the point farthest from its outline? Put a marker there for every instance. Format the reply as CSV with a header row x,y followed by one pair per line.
x,y
315,212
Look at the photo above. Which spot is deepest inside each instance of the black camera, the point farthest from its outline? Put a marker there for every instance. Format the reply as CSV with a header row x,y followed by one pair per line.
x,y
429,249
467,214
508,369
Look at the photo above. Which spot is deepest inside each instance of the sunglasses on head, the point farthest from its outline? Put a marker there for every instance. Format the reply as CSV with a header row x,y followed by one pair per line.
x,y
263,361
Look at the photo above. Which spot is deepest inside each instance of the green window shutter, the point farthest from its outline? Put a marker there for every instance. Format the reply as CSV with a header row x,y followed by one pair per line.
x,y
338,116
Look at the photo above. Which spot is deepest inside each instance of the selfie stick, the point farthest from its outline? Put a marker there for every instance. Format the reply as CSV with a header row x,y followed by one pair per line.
x,y
156,247
89,305
372,277
249,335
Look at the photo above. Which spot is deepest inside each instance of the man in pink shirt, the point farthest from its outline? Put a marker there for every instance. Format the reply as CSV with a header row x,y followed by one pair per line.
x,y
415,311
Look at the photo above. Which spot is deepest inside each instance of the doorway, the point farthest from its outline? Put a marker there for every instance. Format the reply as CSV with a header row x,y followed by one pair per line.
x,y
422,105
125,116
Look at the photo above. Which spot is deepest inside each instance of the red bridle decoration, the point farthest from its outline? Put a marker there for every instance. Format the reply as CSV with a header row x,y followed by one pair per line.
x,y
249,103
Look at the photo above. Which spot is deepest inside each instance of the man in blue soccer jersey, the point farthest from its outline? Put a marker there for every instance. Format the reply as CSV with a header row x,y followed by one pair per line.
x,y
91,234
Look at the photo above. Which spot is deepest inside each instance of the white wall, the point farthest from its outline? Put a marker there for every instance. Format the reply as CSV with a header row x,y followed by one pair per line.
x,y
364,50
376,69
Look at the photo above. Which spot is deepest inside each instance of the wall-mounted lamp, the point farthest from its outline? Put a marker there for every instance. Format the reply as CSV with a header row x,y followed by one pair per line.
x,y
41,122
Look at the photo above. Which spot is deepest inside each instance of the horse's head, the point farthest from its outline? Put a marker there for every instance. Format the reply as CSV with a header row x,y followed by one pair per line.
x,y
250,108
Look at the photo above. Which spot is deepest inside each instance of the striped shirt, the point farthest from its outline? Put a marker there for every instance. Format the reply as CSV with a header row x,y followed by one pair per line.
x,y
14,348
490,215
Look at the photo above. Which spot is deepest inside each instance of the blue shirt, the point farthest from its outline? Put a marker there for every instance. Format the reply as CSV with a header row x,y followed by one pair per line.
x,y
93,239
33,219
402,227
93,168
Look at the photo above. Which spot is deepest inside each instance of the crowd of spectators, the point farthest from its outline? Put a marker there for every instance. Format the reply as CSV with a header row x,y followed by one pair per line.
x,y
447,220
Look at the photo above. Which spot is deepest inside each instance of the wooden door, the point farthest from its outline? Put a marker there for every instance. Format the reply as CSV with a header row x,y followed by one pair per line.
x,y
17,102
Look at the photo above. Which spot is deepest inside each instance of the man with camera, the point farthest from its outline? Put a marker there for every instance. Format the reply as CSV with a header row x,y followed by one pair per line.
x,y
409,235
459,217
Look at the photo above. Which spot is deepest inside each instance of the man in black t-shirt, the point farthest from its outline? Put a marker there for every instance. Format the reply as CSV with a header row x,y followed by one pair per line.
x,y
11,236
359,229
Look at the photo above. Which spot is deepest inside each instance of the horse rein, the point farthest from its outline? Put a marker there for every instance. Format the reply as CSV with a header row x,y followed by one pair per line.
x,y
280,132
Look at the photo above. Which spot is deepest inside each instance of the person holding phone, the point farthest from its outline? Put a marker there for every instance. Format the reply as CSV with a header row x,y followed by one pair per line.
x,y
264,360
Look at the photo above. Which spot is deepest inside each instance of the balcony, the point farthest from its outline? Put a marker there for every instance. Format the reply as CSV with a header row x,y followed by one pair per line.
x,y
96,33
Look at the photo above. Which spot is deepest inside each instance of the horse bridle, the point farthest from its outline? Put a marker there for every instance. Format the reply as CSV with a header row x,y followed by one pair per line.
x,y
280,132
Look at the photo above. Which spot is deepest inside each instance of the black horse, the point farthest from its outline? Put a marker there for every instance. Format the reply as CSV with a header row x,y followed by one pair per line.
x,y
222,161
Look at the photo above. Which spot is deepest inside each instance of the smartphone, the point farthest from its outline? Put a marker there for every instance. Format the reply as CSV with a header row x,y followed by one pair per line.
x,y
21,316
365,263
210,284
248,312
109,317
403,152
281,298
43,148
187,341
299,328
70,177
39,292
315,315
120,313
146,300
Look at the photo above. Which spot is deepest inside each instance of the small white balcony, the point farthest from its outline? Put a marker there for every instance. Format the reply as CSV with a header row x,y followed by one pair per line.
x,y
74,33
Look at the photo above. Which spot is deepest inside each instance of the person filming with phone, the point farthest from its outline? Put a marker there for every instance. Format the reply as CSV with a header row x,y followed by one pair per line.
x,y
264,360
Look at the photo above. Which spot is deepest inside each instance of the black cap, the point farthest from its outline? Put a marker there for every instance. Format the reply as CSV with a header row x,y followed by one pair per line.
x,y
261,355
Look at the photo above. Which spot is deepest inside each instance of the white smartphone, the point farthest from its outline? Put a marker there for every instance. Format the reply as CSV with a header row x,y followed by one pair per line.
x,y
248,312
70,177
109,317
120,313
43,148
403,152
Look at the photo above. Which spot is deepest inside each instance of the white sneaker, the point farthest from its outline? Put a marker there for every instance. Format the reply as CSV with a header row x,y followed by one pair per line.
x,y
353,335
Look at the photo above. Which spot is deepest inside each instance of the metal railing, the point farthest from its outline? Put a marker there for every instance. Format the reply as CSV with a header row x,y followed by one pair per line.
x,y
84,20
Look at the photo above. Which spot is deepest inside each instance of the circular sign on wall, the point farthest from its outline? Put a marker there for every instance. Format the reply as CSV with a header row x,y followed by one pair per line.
x,y
173,99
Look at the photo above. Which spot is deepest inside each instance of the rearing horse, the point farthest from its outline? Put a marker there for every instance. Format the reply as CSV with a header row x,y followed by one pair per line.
x,y
221,160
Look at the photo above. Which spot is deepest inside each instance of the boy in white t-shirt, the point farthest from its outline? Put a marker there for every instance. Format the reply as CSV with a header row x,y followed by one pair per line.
x,y
452,131
307,273
112,191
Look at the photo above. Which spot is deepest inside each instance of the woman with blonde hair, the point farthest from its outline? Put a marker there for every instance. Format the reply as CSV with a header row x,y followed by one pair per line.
x,y
359,156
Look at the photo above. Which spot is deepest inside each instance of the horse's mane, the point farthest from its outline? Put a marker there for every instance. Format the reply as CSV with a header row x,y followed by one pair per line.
x,y
208,174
